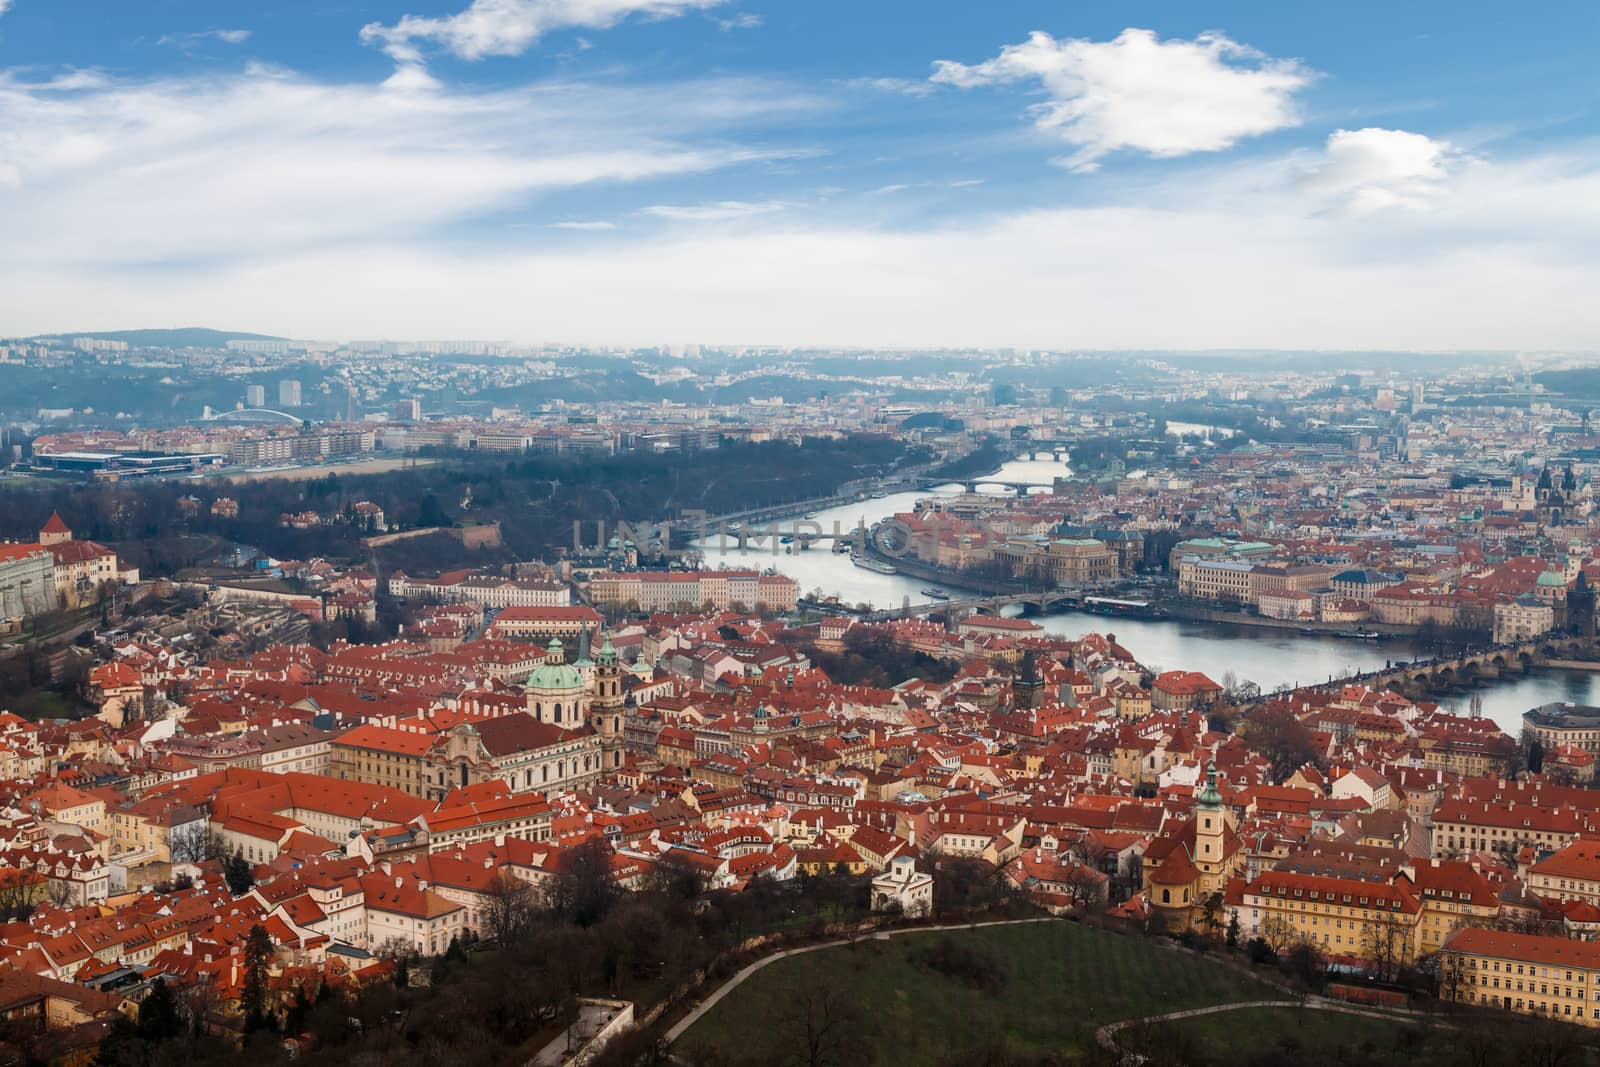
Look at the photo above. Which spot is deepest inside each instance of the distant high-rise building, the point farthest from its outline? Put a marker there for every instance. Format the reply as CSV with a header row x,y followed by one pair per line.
x,y
407,410
255,396
289,393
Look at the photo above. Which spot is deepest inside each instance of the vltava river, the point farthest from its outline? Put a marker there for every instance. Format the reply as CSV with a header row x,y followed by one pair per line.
x,y
1270,658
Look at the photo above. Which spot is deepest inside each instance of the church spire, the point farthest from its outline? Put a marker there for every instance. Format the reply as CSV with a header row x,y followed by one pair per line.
x,y
1210,798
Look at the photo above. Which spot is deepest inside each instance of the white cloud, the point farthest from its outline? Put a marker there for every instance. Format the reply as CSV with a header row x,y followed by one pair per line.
x,y
193,40
1164,98
1505,259
1371,169
510,27
900,86
739,22
267,162
717,211
273,201
5,5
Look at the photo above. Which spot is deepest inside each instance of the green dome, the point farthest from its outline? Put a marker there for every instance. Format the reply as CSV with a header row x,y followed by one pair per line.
x,y
1552,578
555,677
555,674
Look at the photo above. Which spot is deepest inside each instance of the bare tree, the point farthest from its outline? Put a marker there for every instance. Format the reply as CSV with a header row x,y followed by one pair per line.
x,y
1278,934
1083,886
815,1026
20,893
189,843
1386,943
508,908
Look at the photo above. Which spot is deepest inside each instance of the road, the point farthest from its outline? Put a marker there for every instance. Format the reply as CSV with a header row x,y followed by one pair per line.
x,y
1107,1034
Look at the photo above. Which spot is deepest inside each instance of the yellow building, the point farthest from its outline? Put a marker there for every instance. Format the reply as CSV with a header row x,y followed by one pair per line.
x,y
1528,973
1372,922
1453,894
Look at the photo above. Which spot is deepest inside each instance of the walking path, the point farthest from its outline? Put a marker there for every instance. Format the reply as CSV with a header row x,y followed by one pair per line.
x,y
1107,1035
733,983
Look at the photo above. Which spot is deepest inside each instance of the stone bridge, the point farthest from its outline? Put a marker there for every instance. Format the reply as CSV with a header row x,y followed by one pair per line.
x,y
971,484
1458,669
1031,603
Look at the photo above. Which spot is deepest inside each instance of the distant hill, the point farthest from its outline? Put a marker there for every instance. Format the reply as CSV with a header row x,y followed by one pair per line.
x,y
184,337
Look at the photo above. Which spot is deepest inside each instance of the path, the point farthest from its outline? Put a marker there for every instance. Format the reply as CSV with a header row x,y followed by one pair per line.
x,y
592,1018
1107,1034
682,1026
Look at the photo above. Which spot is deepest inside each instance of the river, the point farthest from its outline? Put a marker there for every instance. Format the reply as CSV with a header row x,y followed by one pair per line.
x,y
1271,658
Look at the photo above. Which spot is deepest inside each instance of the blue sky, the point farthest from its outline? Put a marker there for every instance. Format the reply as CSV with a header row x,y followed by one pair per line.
x,y
1083,174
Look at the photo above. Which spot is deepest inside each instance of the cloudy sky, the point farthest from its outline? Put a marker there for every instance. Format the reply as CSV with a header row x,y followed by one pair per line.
x,y
1071,173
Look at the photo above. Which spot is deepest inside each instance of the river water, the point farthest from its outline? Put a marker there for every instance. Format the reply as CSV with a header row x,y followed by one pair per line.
x,y
1270,658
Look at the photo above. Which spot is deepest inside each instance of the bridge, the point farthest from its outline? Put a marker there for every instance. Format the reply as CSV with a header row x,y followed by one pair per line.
x,y
1041,603
971,484
1421,677
254,416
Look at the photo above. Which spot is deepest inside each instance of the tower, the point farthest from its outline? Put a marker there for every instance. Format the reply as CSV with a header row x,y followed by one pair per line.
x,y
54,532
1581,610
1210,829
1027,687
606,704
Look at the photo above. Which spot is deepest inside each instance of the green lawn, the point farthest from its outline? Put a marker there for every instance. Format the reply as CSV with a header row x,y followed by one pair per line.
x,y
1062,981
39,704
1360,1038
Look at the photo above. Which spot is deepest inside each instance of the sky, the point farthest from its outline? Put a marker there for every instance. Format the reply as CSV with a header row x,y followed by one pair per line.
x,y
1073,174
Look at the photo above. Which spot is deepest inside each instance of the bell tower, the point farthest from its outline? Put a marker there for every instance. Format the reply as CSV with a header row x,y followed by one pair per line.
x,y
606,704
1210,826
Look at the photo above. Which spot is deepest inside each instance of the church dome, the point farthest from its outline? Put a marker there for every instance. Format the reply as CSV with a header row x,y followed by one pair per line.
x,y
555,674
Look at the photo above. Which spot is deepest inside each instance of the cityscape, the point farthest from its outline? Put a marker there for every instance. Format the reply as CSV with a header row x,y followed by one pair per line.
x,y
1055,637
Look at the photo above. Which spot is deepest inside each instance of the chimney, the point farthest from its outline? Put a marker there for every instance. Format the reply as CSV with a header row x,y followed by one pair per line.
x,y
399,881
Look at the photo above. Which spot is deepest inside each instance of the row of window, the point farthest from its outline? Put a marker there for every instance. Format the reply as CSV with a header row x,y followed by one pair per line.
x,y
1537,1006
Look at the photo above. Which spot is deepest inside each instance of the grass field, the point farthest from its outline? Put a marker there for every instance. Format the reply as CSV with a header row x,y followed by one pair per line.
x,y
1063,980
1361,1039
39,704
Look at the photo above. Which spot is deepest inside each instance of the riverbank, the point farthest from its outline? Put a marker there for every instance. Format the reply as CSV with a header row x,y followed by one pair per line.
x,y
1188,612
944,576
1568,665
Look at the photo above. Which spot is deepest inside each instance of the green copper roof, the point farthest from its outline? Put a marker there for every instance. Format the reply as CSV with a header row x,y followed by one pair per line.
x,y
1210,798
555,673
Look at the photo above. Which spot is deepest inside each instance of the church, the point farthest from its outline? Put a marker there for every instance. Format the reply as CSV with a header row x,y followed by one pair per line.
x,y
1556,503
581,693
1194,863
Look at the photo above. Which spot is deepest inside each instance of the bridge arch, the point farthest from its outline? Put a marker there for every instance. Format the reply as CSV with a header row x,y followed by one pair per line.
x,y
256,416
